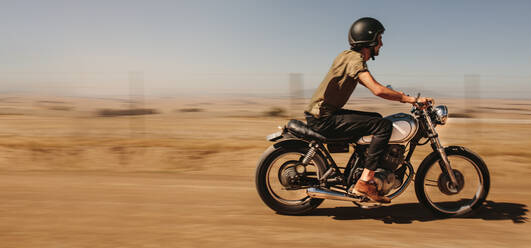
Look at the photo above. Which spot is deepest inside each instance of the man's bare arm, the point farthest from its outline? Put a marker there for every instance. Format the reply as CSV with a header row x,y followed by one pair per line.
x,y
379,90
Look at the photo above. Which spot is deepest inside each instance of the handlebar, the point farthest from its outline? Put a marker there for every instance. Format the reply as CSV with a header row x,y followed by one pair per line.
x,y
420,106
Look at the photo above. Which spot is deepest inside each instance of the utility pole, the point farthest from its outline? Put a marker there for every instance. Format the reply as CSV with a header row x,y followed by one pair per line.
x,y
296,92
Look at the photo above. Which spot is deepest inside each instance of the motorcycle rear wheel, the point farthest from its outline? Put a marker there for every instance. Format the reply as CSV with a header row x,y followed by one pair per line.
x,y
431,184
271,191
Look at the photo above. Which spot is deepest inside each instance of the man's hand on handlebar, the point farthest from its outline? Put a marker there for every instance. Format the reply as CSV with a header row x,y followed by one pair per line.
x,y
416,100
423,102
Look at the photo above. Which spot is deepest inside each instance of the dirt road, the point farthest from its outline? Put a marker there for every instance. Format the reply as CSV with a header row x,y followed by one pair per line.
x,y
97,209
184,178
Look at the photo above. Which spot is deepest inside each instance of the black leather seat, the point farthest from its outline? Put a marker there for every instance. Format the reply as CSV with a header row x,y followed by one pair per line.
x,y
301,130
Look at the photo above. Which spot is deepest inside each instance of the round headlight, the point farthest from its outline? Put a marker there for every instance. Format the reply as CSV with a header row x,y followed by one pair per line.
x,y
441,114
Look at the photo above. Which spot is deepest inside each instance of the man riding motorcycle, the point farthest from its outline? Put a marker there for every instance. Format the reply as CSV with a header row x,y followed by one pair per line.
x,y
325,115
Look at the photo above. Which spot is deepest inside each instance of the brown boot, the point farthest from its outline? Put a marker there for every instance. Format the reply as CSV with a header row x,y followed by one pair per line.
x,y
370,190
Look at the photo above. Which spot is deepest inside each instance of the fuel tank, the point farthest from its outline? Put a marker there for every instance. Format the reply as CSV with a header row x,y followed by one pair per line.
x,y
405,127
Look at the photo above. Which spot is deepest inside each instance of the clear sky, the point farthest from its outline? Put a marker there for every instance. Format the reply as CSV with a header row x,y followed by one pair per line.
x,y
249,47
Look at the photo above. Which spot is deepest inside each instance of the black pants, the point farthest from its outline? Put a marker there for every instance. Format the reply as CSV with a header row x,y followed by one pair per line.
x,y
356,124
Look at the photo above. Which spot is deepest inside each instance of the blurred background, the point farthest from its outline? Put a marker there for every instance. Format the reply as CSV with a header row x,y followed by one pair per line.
x,y
139,123
78,48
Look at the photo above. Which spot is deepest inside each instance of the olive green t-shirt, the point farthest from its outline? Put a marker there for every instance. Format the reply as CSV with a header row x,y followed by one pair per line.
x,y
336,88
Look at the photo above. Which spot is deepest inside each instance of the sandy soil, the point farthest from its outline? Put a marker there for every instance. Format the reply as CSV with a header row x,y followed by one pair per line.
x,y
184,177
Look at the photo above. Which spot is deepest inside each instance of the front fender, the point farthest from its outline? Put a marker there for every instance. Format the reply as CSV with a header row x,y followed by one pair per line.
x,y
434,156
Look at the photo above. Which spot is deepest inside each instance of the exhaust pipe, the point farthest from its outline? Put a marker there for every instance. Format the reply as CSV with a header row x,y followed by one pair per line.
x,y
329,194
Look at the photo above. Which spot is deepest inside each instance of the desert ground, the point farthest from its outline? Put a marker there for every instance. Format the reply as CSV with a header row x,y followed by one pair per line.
x,y
179,172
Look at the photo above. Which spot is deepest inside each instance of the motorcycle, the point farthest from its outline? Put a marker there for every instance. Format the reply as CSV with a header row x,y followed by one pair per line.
x,y
297,173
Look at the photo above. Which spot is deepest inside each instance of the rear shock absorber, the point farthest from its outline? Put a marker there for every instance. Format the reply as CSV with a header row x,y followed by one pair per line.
x,y
309,155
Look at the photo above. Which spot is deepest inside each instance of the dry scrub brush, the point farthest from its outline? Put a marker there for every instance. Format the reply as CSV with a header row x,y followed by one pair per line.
x,y
125,112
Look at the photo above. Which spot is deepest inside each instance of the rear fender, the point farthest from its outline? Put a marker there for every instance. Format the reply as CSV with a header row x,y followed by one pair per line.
x,y
292,143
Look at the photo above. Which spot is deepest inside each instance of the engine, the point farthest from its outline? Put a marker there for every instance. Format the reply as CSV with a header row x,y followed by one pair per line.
x,y
386,180
393,156
387,176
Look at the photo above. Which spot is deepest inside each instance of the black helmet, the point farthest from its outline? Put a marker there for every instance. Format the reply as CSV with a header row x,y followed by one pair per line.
x,y
364,33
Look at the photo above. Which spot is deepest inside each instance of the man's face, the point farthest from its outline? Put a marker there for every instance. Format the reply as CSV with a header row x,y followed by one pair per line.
x,y
377,47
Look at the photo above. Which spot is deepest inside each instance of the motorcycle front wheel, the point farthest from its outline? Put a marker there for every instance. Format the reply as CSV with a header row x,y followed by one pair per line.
x,y
275,166
435,190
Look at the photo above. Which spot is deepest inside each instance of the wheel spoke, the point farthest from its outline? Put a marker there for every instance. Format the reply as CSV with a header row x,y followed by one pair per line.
x,y
451,201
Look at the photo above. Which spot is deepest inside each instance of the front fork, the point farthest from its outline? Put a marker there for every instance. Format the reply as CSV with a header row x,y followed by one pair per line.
x,y
436,145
